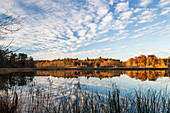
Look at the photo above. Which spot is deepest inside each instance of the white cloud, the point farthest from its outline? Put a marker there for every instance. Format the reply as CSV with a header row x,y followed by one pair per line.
x,y
123,6
82,32
158,29
106,21
57,25
92,26
88,18
65,26
147,16
137,10
125,15
108,18
121,38
81,54
119,24
102,11
145,3
111,2
165,11
163,30
120,32
138,35
152,26
138,45
123,47
106,39
163,3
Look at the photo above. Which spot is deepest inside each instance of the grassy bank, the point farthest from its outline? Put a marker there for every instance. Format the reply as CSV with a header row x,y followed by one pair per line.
x,y
11,70
36,99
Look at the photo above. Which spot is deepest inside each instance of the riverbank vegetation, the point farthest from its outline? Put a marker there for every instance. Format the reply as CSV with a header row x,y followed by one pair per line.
x,y
38,98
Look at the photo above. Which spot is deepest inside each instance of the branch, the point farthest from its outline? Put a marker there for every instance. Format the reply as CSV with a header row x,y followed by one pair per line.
x,y
9,24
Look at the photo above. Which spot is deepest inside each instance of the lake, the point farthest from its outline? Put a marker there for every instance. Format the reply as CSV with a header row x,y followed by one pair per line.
x,y
65,84
96,80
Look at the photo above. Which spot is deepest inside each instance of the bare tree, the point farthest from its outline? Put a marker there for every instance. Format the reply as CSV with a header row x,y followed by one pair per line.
x,y
9,24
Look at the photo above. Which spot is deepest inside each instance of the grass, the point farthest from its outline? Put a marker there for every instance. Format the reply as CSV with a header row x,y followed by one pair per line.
x,y
39,99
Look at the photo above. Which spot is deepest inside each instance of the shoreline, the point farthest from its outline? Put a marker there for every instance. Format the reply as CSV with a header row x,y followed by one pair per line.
x,y
10,70
117,68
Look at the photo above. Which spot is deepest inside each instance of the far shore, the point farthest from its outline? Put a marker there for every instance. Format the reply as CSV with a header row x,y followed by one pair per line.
x,y
104,68
10,70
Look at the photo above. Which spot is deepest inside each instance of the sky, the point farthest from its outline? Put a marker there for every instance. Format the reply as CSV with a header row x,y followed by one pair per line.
x,y
118,29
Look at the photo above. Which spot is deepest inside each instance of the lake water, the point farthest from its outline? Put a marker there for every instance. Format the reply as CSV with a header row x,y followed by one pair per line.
x,y
99,81
43,91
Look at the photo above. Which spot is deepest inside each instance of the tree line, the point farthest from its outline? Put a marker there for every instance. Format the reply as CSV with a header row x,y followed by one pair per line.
x,y
10,59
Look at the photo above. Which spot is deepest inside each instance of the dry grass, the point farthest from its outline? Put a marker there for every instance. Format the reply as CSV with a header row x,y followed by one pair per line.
x,y
35,99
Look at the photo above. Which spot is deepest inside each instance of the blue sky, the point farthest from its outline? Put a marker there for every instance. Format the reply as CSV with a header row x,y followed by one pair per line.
x,y
91,28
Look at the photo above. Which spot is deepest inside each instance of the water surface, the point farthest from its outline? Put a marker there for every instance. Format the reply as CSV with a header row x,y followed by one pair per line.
x,y
99,81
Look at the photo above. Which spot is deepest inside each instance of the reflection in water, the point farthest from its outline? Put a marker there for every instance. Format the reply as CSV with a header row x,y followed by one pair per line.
x,y
44,90
141,75
23,78
148,75
76,74
15,79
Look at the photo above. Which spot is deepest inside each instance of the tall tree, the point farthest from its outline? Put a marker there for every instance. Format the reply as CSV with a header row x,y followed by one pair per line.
x,y
22,59
31,62
13,59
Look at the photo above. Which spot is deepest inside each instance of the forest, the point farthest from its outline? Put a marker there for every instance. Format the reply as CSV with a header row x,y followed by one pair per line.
x,y
10,59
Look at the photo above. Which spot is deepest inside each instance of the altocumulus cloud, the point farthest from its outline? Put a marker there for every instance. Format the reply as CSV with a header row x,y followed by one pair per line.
x,y
60,28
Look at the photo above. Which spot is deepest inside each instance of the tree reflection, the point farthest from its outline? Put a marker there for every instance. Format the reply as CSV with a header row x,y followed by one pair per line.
x,y
23,78
151,75
15,79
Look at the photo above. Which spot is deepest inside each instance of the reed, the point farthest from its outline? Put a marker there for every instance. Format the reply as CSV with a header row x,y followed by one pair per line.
x,y
41,99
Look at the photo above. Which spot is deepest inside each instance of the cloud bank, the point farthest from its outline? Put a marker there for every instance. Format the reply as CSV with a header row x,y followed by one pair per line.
x,y
55,29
